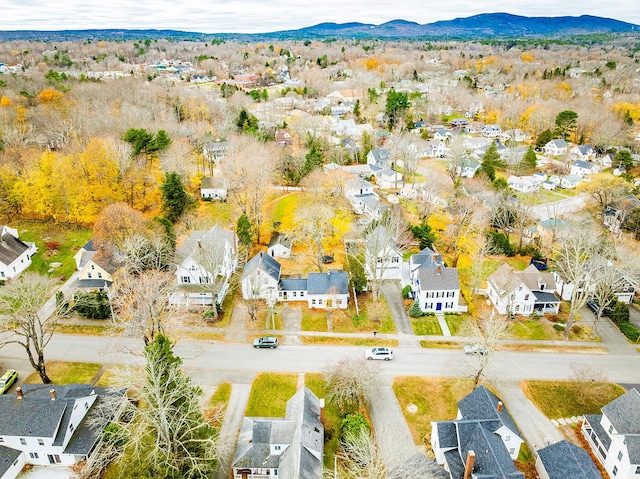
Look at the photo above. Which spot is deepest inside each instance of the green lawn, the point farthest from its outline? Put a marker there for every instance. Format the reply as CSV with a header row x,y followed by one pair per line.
x,y
220,212
435,398
270,393
68,238
374,316
218,405
341,341
67,373
541,197
455,322
561,399
427,326
532,329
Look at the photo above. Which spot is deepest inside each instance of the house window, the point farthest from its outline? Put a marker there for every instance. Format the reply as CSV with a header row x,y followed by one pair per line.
x,y
542,287
637,469
93,266
100,275
89,275
33,455
615,470
186,279
526,297
620,456
519,288
277,448
507,438
611,429
23,441
313,301
1,439
71,427
41,442
302,294
512,450
295,293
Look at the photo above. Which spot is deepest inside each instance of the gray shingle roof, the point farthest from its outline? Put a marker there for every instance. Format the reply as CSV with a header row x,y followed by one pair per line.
x,y
7,457
564,460
447,434
263,262
482,404
425,259
430,280
335,281
594,421
293,284
30,417
206,239
11,248
624,412
279,238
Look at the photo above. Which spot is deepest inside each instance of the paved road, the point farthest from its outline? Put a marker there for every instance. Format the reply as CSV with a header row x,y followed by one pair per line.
x,y
559,208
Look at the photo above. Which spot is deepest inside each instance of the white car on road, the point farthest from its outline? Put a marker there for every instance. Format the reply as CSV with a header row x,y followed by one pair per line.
x,y
379,353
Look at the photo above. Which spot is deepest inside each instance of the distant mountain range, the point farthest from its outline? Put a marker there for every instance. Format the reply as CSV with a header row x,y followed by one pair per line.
x,y
486,25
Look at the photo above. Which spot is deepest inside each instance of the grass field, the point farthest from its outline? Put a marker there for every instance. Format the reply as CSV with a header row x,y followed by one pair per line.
x,y
427,326
270,393
67,373
63,241
561,399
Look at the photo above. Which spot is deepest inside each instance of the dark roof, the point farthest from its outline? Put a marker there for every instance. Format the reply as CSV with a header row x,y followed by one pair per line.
x,y
624,413
564,460
263,262
482,404
456,466
594,421
542,297
323,283
447,434
92,283
11,248
30,417
425,258
293,284
7,458
212,182
89,246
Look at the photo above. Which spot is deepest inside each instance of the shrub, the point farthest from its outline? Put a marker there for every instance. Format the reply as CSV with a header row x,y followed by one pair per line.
x,y
576,329
352,424
500,243
405,291
630,331
558,327
618,312
415,311
52,244
93,305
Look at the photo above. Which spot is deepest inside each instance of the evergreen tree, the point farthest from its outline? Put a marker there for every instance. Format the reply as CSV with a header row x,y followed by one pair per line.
x,y
243,230
529,161
397,104
175,199
566,122
624,158
314,159
543,138
424,233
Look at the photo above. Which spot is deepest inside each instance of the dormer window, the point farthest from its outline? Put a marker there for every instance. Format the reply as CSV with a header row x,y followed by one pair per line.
x,y
542,286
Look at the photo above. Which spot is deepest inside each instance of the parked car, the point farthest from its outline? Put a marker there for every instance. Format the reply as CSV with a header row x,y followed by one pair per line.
x,y
266,342
475,349
7,379
593,306
379,353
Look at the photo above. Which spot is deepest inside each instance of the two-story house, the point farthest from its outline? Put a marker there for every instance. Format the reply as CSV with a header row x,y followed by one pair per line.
x,y
388,258
214,151
483,441
436,288
205,262
614,436
288,447
97,269
260,278
524,184
523,292
491,131
380,159
583,152
555,147
583,168
357,190
54,425
15,254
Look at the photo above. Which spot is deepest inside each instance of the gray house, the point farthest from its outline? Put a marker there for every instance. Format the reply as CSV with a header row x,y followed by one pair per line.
x,y
482,442
288,447
565,460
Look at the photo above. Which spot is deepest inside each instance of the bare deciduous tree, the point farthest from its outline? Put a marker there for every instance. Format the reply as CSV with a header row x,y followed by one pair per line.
x,y
350,383
25,322
141,303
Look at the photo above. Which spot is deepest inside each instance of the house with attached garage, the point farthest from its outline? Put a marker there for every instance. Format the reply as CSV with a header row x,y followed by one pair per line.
x,y
614,435
435,287
565,460
287,447
524,184
482,442
15,254
523,292
54,425
205,262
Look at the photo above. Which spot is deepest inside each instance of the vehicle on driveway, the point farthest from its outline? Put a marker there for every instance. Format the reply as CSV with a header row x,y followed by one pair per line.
x,y
475,349
593,306
7,379
270,342
379,353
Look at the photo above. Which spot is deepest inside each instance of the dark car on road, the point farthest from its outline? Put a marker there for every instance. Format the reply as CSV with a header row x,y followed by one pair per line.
x,y
270,342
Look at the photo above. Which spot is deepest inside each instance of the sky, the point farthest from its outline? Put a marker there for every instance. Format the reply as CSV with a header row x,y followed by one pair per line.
x,y
259,16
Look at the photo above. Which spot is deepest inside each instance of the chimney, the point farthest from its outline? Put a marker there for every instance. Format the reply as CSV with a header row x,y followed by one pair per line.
x,y
468,466
52,393
300,383
438,270
499,406
19,392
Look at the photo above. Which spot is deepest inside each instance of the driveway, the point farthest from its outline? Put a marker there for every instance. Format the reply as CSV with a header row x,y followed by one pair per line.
x,y
559,208
611,337
393,294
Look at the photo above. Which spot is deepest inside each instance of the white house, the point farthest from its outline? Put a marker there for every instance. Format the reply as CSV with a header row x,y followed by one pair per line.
x,y
54,425
570,181
374,209
260,278
524,184
206,260
491,131
213,188
435,287
583,168
516,135
483,439
15,254
379,159
583,152
388,257
214,151
468,168
614,436
279,246
389,179
287,447
523,292
555,147
328,290
357,190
